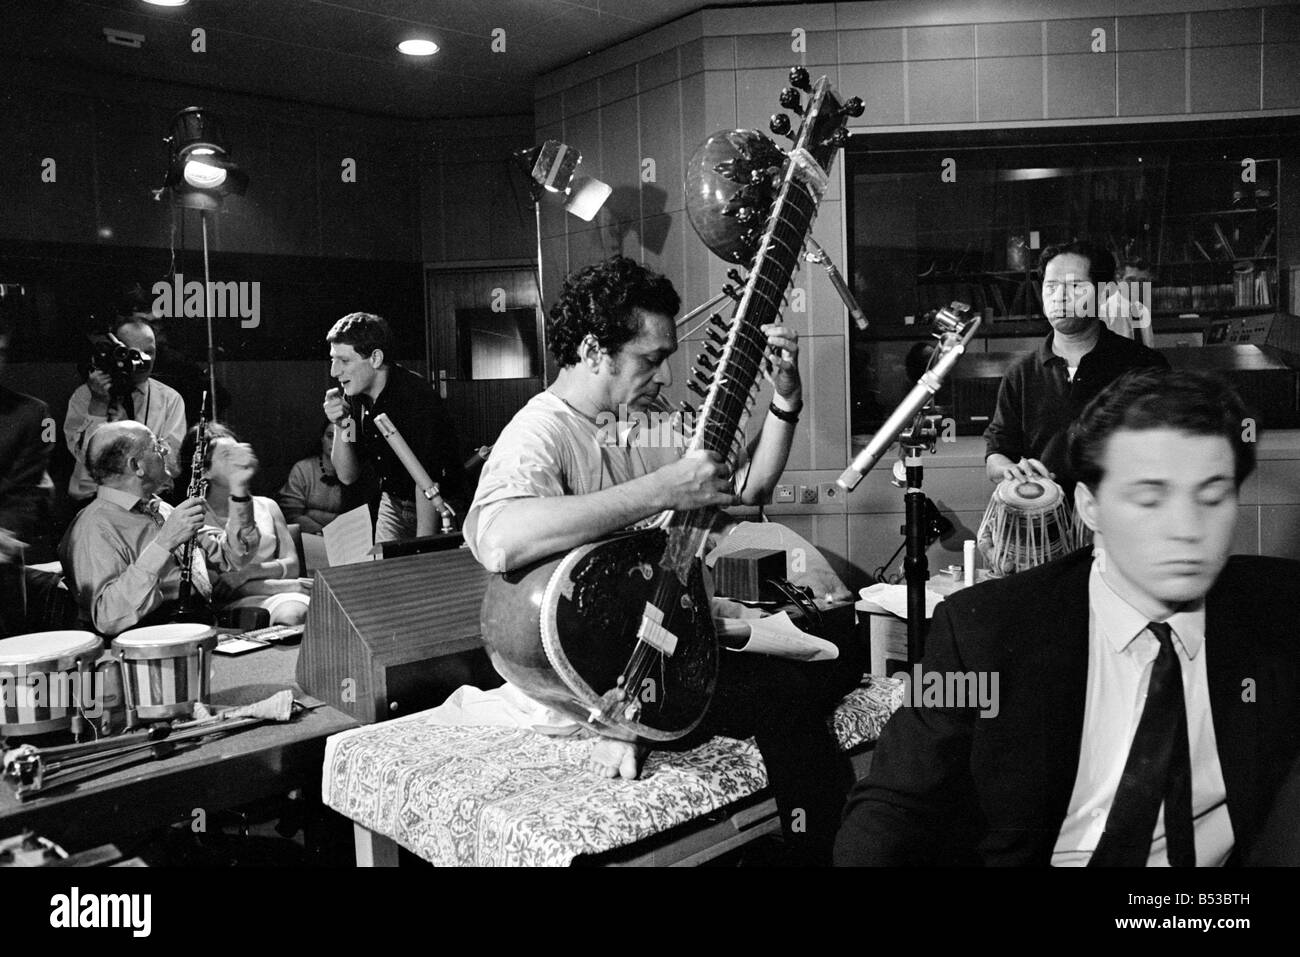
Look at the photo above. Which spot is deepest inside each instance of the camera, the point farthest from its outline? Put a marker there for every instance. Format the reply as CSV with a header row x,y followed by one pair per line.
x,y
111,355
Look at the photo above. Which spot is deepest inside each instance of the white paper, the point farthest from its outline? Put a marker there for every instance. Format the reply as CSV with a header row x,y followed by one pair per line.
x,y
349,538
893,598
777,635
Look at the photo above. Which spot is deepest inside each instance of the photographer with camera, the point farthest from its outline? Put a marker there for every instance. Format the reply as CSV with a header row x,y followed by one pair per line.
x,y
119,388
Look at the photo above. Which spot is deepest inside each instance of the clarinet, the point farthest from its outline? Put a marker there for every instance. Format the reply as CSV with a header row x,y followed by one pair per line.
x,y
190,606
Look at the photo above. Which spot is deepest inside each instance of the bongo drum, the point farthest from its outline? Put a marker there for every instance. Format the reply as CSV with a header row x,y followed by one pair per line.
x,y
43,677
165,670
1026,524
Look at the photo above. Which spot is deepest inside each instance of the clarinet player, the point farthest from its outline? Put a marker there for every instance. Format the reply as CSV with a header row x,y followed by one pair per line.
x,y
120,556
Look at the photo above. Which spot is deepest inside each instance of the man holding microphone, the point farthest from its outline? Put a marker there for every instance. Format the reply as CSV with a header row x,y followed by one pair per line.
x,y
371,386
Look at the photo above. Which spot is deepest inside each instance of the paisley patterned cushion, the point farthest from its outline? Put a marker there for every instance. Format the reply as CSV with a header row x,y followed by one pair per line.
x,y
492,796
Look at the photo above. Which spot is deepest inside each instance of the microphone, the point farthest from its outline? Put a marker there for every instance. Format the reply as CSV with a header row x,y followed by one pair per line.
x,y
956,326
424,484
819,256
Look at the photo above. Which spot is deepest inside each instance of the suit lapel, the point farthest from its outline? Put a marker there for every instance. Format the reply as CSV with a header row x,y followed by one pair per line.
x,y
1063,671
1231,660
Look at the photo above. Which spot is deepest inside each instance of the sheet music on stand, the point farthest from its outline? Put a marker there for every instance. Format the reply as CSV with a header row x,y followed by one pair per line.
x,y
350,538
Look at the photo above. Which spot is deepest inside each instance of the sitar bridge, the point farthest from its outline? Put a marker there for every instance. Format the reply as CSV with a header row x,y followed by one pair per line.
x,y
653,632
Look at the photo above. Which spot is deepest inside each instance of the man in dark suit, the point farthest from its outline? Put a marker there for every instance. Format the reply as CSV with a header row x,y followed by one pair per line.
x,y
1149,702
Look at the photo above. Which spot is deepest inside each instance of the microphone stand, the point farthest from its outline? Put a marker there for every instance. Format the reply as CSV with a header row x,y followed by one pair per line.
x,y
954,327
922,436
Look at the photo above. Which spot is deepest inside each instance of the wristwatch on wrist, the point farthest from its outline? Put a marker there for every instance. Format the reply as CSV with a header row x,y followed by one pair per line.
x,y
786,415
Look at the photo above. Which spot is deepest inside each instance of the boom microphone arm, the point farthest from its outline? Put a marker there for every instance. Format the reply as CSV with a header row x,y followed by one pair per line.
x,y
816,254
955,326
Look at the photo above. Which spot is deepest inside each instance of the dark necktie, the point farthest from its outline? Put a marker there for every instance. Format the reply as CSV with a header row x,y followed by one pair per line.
x,y
1158,769
128,404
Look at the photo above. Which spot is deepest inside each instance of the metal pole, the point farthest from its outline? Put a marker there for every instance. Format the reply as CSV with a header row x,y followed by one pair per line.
x,y
207,311
541,299
916,566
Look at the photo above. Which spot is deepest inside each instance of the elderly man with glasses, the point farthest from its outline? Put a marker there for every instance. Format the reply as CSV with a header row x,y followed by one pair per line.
x,y
121,556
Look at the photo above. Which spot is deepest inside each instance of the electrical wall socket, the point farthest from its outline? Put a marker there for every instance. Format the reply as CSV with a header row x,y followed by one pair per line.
x,y
831,492
784,494
808,495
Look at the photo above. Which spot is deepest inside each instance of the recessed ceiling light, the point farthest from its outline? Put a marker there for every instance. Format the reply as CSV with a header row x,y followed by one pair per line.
x,y
168,3
418,47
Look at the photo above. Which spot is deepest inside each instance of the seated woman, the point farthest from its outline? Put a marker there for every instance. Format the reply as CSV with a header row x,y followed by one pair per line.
x,y
270,581
312,495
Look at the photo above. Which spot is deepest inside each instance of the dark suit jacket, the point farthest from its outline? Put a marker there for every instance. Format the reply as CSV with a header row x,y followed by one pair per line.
x,y
949,787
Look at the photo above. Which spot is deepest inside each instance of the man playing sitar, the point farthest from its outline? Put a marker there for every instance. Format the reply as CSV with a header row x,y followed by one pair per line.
x,y
561,476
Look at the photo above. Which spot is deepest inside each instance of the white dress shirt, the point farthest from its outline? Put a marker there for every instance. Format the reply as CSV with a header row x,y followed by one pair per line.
x,y
1120,654
157,405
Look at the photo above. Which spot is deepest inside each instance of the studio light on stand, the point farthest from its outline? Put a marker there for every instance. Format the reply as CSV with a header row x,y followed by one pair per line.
x,y
200,174
551,172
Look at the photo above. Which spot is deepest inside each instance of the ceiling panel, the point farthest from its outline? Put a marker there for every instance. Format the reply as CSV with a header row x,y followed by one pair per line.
x,y
336,52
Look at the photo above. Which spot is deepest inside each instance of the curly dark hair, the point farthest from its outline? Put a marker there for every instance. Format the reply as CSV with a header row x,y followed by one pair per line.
x,y
599,300
1197,403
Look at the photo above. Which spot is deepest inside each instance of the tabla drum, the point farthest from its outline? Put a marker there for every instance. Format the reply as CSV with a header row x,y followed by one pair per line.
x,y
165,670
1026,524
43,678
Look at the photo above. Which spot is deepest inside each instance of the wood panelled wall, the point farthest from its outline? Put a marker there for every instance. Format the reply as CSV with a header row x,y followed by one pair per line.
x,y
105,135
923,64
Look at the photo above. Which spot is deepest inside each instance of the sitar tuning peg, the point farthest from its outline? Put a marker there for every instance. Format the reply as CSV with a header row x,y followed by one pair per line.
x,y
735,276
838,139
694,386
791,100
713,350
730,291
799,79
718,321
852,106
779,124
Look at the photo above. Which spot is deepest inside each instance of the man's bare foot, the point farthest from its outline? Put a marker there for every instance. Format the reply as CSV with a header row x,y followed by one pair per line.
x,y
612,758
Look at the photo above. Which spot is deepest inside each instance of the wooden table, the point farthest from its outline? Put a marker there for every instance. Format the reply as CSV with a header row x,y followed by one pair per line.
x,y
243,767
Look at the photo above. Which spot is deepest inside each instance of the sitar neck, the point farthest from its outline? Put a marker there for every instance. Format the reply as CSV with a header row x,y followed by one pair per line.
x,y
720,425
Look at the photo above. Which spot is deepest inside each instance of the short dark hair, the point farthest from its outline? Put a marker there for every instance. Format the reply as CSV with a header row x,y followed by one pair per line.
x,y
1197,403
363,331
108,458
1101,264
599,300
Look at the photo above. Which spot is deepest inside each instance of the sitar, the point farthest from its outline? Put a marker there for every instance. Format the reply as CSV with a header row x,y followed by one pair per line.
x,y
619,632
